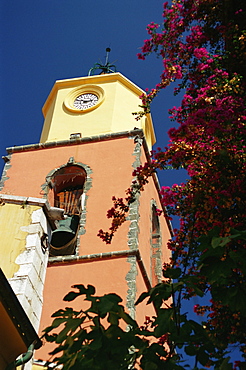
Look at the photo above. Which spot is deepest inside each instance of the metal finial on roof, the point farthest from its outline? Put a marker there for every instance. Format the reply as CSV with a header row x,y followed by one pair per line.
x,y
105,68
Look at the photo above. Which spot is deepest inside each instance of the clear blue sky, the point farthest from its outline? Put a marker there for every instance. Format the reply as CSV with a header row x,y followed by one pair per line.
x,y
43,41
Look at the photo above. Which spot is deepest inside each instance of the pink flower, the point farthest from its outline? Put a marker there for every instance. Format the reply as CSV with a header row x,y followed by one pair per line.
x,y
196,307
201,53
140,56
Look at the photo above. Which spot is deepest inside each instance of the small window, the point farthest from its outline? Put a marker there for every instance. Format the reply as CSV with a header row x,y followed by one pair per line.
x,y
156,268
155,226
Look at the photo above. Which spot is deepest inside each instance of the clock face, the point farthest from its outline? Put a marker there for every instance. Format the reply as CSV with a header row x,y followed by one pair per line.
x,y
85,101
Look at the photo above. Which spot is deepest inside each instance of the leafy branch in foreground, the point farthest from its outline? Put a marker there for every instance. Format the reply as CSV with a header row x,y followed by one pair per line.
x,y
104,336
93,338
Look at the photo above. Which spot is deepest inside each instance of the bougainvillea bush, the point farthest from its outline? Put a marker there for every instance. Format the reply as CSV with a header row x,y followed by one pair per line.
x,y
203,47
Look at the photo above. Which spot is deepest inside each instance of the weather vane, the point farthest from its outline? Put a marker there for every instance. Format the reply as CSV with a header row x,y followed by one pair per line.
x,y
105,68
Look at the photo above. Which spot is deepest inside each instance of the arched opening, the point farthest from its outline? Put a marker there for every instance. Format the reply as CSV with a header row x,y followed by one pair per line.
x,y
67,184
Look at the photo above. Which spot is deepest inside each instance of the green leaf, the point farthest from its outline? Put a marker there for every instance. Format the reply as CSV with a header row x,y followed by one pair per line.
x,y
108,303
242,234
198,329
163,322
215,242
113,297
193,282
190,350
49,338
58,321
217,270
172,273
177,286
71,325
67,312
234,297
113,318
226,365
239,260
97,322
128,320
58,349
142,297
202,356
70,296
220,242
90,290
97,343
160,293
205,240
150,366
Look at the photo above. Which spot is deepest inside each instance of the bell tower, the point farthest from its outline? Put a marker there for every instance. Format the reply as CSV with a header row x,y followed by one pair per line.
x,y
62,188
91,106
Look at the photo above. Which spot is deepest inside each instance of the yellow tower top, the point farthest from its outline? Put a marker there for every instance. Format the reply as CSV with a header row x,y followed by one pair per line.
x,y
93,105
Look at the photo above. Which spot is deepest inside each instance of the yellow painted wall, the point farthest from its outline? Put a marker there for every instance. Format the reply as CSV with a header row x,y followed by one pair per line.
x,y
114,114
36,367
13,239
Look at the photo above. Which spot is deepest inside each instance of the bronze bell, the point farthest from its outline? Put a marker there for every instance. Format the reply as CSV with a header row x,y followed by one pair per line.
x,y
63,239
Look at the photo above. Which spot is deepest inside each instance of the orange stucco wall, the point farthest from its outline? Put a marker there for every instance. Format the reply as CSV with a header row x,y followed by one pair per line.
x,y
111,163
111,175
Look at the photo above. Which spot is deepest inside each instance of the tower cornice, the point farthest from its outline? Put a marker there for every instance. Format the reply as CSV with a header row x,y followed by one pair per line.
x,y
76,141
